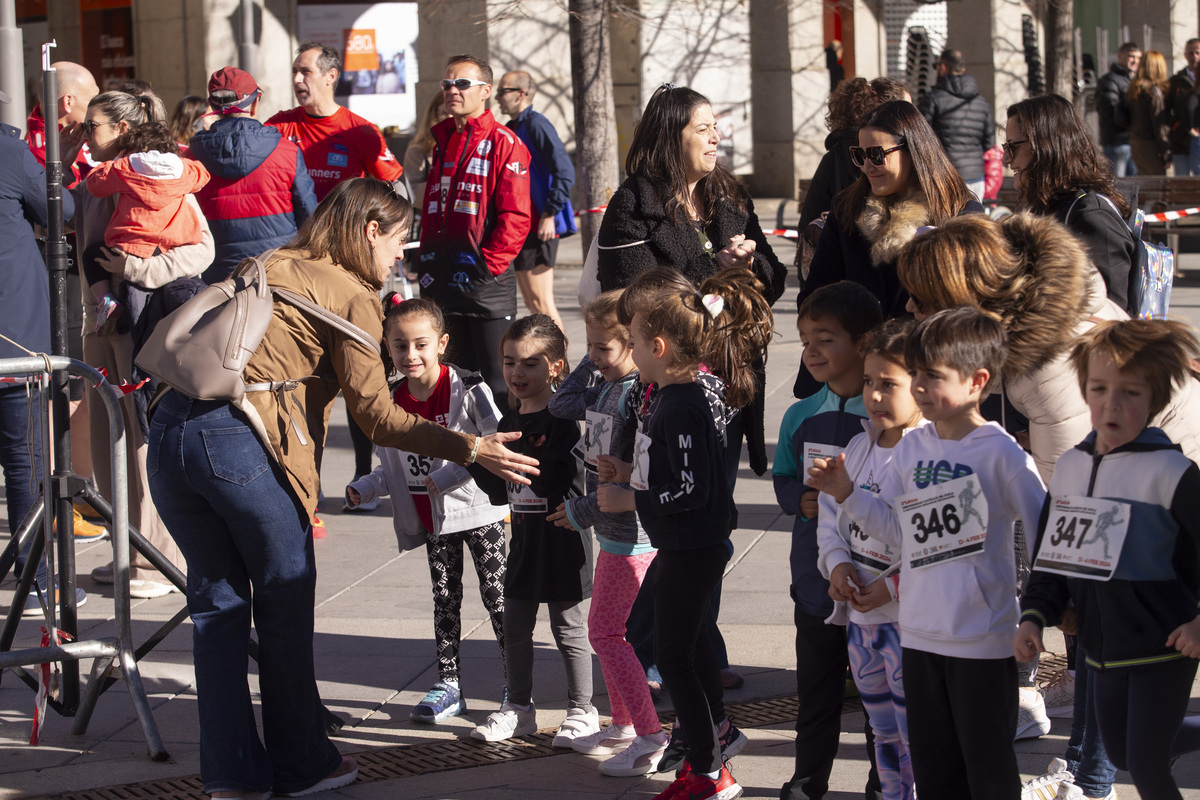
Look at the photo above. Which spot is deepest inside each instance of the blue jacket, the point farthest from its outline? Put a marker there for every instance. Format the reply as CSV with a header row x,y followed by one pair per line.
x,y
827,419
551,173
25,288
1124,622
260,192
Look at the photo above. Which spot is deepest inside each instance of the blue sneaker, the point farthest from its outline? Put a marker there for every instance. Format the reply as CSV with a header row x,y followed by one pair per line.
x,y
444,700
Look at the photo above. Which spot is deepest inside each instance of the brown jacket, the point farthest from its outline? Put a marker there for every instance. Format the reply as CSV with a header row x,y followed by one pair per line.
x,y
298,346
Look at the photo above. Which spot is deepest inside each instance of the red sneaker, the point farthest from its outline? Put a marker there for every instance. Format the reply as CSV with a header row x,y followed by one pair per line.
x,y
700,787
678,788
318,527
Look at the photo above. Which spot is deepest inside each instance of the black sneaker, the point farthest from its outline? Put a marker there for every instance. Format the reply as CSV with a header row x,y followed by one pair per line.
x,y
733,741
676,752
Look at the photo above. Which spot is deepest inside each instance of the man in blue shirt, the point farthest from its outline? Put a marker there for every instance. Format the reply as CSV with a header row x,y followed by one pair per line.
x,y
551,175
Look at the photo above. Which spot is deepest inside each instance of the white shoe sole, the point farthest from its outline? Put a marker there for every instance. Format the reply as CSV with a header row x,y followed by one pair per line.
x,y
600,749
487,736
648,768
1032,731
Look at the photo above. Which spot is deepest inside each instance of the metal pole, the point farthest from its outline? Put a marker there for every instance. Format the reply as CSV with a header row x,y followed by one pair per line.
x,y
56,264
12,66
248,50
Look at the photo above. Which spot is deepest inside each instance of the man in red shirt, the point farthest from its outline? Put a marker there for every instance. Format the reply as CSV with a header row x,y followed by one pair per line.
x,y
76,88
337,143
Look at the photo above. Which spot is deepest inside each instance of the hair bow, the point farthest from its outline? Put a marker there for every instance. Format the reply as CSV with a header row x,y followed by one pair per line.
x,y
714,304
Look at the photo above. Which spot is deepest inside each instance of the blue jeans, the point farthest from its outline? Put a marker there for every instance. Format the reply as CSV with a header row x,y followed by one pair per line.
x,y
1121,157
22,474
248,548
1182,164
1087,759
1194,156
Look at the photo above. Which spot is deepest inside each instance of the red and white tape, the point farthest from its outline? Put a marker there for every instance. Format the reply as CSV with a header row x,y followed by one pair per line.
x,y
789,233
1167,216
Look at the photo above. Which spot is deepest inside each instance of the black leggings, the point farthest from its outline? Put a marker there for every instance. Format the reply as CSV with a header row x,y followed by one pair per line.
x,y
475,345
688,661
1140,714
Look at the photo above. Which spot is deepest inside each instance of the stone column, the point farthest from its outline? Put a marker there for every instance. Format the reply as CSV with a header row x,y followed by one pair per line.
x,y
789,86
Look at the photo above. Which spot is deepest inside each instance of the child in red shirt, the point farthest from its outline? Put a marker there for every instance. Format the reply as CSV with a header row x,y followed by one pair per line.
x,y
151,182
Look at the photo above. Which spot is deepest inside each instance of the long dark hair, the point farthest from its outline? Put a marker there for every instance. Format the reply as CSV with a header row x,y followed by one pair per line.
x,y
337,228
1063,155
656,152
945,192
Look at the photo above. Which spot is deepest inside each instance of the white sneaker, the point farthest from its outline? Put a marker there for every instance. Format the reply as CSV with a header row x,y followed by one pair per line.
x,y
1050,785
1112,795
1060,695
509,721
579,722
640,758
1032,721
1069,791
603,742
144,590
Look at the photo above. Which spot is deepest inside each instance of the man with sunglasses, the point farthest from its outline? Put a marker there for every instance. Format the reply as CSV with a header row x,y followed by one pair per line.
x,y
961,117
337,143
476,217
551,176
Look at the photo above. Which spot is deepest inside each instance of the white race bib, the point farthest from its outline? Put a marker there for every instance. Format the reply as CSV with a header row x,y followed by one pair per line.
x,y
597,436
944,521
522,500
817,450
866,551
640,477
1084,537
416,470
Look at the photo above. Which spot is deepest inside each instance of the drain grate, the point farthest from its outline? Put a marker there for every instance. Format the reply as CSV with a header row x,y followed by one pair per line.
x,y
403,761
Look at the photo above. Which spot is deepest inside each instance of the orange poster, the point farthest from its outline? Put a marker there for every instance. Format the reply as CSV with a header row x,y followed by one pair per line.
x,y
360,49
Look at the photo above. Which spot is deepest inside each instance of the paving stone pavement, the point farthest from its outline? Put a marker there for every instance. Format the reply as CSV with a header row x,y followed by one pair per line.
x,y
375,656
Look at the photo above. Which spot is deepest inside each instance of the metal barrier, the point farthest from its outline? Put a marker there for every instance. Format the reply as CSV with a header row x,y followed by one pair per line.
x,y
105,650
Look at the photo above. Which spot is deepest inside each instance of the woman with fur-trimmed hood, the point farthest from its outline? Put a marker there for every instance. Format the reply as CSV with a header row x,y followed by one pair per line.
x,y
907,182
1035,277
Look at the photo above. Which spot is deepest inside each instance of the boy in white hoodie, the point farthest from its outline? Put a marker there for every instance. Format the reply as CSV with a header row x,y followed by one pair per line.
x,y
956,487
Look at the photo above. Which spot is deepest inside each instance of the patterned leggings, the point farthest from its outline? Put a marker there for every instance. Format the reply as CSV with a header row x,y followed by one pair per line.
x,y
875,656
617,581
446,569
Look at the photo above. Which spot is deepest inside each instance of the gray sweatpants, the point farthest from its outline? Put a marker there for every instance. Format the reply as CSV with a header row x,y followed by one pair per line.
x,y
566,623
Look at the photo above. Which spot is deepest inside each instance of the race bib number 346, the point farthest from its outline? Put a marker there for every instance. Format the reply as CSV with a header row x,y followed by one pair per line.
x,y
1083,537
943,522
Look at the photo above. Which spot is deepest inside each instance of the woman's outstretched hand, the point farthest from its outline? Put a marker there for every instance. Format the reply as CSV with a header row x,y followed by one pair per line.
x,y
498,459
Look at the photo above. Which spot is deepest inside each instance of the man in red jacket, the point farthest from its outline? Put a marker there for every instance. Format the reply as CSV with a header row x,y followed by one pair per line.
x,y
475,221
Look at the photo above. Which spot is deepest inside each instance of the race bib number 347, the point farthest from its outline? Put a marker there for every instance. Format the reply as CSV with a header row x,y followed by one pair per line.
x,y
1083,537
943,522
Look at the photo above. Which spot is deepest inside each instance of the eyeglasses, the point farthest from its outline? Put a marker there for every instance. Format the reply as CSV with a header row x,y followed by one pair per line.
x,y
89,126
876,155
1010,148
462,84
507,89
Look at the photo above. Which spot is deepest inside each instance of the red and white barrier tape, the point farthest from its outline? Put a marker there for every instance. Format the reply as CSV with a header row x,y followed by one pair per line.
x,y
595,210
789,233
47,683
1167,216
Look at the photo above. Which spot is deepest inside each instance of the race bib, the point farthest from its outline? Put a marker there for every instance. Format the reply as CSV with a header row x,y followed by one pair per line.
x,y
416,470
1084,537
640,477
522,500
944,521
817,450
597,435
866,551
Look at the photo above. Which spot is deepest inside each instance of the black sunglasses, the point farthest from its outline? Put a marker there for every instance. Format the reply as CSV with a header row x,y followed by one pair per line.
x,y
507,89
89,126
1010,148
462,84
876,155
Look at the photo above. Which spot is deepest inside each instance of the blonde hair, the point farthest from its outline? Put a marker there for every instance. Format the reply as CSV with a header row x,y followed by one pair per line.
x,y
1151,72
730,344
1160,351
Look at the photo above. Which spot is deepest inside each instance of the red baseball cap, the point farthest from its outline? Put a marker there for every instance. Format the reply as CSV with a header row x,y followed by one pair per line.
x,y
238,81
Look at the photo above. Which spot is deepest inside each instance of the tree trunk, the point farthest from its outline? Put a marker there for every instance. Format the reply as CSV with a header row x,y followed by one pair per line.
x,y
595,116
1060,48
